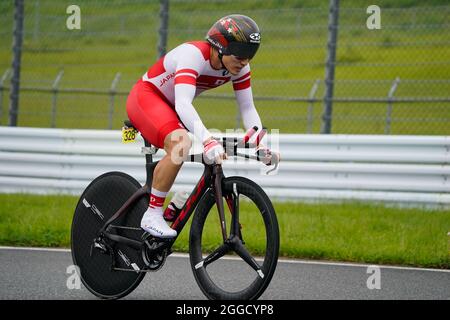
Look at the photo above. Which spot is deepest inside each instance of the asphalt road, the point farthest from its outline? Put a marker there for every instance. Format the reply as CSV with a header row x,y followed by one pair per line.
x,y
29,274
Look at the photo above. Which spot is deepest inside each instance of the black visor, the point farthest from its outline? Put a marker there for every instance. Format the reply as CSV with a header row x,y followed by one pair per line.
x,y
242,50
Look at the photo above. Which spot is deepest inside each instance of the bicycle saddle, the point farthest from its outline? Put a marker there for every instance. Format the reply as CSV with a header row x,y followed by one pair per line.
x,y
128,124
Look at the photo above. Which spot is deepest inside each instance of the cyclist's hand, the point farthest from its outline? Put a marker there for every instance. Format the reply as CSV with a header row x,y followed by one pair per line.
x,y
267,156
213,151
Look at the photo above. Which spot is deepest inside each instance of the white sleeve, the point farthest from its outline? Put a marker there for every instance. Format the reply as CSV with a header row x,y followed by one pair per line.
x,y
187,70
244,98
247,108
184,94
250,116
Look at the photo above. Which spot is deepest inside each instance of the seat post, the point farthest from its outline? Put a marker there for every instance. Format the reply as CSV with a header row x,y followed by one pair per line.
x,y
148,157
149,166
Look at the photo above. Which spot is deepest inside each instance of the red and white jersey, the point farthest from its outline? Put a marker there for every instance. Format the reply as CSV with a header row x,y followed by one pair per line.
x,y
185,72
189,63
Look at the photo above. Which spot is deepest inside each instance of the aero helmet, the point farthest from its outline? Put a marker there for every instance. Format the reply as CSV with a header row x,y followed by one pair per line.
x,y
236,35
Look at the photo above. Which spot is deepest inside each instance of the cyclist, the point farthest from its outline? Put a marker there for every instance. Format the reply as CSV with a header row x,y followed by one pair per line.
x,y
160,103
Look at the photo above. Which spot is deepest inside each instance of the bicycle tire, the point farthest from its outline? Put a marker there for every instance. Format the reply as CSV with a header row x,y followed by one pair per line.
x,y
103,197
256,195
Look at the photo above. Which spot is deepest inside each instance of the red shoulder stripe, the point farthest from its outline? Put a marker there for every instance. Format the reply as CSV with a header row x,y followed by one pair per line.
x,y
185,80
241,85
192,71
243,77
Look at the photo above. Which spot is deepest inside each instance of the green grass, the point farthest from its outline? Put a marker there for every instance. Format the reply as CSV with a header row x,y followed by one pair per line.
x,y
344,232
30,220
412,45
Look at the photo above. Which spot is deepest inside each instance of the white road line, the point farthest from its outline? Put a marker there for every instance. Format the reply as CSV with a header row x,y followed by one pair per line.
x,y
294,261
329,263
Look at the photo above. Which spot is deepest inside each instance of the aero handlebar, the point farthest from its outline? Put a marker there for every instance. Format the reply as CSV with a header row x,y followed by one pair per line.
x,y
231,144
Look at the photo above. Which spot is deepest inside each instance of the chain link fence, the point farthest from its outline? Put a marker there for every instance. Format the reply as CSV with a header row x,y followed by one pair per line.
x,y
392,80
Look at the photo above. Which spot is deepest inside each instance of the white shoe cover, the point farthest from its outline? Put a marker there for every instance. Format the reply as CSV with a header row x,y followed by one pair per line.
x,y
154,223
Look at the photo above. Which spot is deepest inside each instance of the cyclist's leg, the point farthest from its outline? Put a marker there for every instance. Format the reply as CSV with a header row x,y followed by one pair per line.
x,y
151,114
159,124
177,145
163,177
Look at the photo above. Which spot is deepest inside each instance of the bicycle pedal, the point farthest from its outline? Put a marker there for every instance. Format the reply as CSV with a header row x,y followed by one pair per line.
x,y
163,240
145,235
148,237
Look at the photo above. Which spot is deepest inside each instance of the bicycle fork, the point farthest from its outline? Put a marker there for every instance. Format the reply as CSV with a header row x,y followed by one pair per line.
x,y
234,242
218,176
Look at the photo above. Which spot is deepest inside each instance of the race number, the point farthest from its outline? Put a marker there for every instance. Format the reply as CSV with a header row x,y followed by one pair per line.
x,y
128,135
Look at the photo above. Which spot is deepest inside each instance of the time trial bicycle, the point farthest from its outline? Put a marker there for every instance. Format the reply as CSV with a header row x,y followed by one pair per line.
x,y
114,254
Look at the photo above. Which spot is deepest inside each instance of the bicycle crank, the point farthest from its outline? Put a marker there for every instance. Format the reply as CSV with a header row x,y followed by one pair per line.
x,y
154,252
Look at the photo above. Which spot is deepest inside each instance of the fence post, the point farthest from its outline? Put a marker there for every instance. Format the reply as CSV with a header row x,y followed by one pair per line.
x,y
2,82
55,87
390,99
112,93
17,55
163,27
330,66
311,100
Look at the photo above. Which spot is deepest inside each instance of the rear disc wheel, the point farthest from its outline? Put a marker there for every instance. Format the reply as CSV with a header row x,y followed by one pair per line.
x,y
101,199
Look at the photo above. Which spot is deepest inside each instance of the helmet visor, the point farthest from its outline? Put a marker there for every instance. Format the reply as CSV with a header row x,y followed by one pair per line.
x,y
242,50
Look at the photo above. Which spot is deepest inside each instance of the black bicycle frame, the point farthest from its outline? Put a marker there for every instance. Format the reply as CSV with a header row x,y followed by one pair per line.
x,y
211,178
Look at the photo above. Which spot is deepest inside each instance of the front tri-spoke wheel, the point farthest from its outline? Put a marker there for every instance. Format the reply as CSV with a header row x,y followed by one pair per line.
x,y
242,267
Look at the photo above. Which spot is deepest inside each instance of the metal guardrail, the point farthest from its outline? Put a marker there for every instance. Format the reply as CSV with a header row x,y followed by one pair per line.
x,y
413,170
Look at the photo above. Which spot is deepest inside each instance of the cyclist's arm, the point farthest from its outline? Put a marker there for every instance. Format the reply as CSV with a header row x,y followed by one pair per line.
x,y
244,98
188,66
184,94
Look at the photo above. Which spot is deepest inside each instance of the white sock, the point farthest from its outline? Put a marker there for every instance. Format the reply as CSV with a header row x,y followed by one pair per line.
x,y
157,199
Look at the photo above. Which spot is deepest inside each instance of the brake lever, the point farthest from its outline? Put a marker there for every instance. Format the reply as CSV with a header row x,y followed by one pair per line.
x,y
276,160
273,169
